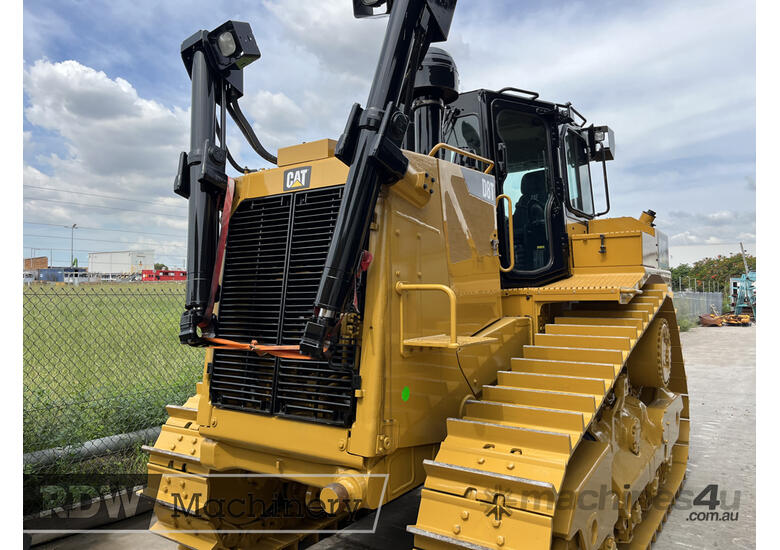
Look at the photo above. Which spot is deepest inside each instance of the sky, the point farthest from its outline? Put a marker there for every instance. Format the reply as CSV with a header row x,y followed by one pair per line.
x,y
106,104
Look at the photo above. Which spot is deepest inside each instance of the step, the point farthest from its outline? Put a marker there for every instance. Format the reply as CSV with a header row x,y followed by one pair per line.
x,y
646,299
659,299
575,354
661,292
611,306
658,295
542,399
635,303
583,341
456,480
565,368
444,341
591,330
601,321
553,382
502,434
606,313
531,417
496,460
434,527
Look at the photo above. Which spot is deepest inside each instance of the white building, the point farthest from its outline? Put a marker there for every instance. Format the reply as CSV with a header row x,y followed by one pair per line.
x,y
127,261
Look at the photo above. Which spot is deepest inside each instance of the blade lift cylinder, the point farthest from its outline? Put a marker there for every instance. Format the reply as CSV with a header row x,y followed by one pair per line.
x,y
203,223
370,144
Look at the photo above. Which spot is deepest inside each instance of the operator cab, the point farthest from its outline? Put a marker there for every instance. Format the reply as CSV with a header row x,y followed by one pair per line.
x,y
542,154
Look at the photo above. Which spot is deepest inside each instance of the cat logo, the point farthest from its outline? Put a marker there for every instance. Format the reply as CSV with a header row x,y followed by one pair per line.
x,y
297,178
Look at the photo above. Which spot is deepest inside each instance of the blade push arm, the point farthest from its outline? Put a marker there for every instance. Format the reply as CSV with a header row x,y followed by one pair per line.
x,y
370,145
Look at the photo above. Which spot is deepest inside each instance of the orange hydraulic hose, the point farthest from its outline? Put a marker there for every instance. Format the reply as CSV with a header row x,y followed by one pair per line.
x,y
285,352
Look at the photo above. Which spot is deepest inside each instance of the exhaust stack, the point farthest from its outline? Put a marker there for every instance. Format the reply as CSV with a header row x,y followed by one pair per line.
x,y
436,85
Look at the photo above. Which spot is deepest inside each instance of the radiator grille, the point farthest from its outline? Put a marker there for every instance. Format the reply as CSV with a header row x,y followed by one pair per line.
x,y
275,256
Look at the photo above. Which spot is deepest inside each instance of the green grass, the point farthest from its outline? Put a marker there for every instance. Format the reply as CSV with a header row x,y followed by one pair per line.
x,y
685,324
101,360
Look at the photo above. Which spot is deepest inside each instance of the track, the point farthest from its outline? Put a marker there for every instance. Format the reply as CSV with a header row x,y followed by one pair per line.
x,y
499,472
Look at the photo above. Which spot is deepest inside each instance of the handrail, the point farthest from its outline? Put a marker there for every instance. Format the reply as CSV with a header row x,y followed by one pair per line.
x,y
401,287
439,146
511,236
534,95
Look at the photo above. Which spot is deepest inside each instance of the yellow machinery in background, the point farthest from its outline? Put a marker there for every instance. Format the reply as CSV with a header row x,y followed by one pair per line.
x,y
492,339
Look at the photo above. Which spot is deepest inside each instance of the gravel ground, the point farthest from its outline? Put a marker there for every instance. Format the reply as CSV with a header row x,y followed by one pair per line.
x,y
721,368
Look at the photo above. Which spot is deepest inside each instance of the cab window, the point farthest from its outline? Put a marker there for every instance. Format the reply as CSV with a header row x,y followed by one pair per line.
x,y
464,133
524,141
577,171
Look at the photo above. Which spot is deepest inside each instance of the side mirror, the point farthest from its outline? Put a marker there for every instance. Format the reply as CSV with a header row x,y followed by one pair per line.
x,y
440,10
601,144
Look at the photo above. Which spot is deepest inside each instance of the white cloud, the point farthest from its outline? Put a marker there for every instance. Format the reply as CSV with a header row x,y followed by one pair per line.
x,y
109,129
117,143
720,227
342,45
277,119
669,77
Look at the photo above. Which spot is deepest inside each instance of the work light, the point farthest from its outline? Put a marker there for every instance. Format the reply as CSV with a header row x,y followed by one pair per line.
x,y
369,8
226,43
234,45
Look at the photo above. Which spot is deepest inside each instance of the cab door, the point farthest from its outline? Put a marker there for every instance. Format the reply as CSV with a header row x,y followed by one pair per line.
x,y
525,144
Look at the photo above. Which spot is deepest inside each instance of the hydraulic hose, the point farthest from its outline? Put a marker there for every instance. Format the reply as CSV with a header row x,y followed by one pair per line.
x,y
246,129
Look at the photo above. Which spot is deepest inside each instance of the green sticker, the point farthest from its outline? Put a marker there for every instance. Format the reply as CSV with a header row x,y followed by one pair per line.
x,y
405,393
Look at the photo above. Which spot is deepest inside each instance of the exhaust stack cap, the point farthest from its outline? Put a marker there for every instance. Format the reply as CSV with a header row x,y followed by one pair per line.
x,y
648,217
437,76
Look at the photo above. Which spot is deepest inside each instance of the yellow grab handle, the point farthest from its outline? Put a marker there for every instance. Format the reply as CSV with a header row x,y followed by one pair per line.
x,y
511,235
439,146
401,287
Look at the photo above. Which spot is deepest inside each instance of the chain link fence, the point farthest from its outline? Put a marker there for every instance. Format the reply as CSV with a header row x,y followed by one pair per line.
x,y
100,364
690,305
102,361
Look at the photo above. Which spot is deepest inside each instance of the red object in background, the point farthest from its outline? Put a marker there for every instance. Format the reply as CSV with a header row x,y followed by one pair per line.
x,y
163,275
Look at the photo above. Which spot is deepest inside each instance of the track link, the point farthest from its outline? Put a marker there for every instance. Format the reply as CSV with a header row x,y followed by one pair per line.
x,y
496,479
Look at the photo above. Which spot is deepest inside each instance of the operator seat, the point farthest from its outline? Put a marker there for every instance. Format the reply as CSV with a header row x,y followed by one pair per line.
x,y
530,228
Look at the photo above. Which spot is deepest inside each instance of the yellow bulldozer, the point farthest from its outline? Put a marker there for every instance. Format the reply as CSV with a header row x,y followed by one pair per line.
x,y
434,299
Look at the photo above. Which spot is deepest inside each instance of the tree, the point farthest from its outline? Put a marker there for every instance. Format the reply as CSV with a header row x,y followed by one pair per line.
x,y
719,269
681,273
159,267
